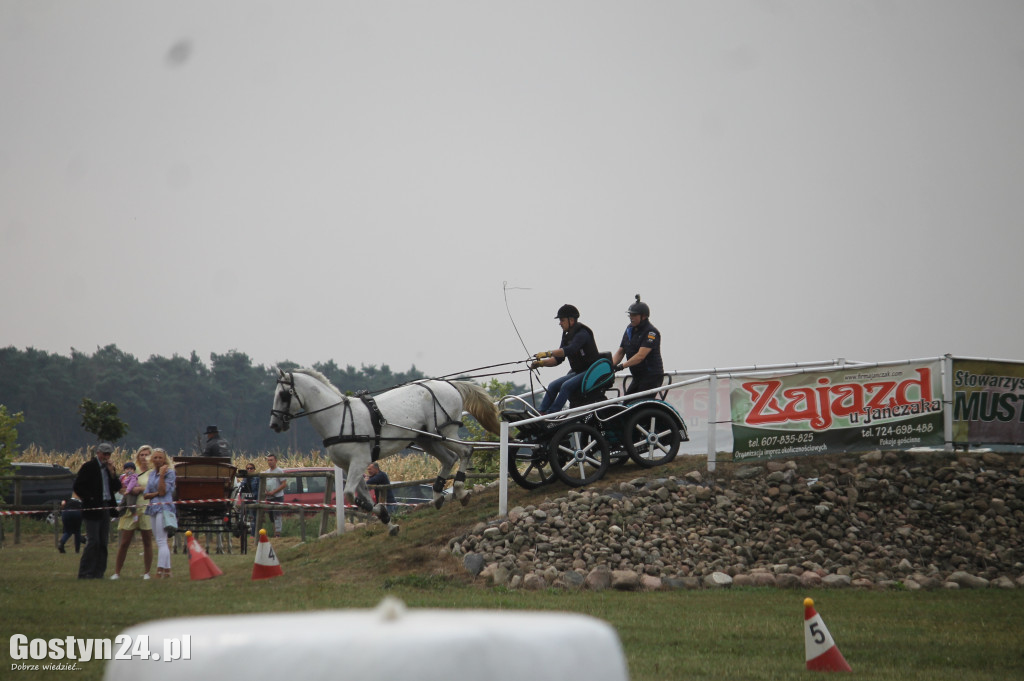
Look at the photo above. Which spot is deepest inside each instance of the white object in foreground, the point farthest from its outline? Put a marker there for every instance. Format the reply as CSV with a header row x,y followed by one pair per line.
x,y
389,642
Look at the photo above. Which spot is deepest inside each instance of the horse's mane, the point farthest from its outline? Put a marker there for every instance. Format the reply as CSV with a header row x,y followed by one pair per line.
x,y
313,373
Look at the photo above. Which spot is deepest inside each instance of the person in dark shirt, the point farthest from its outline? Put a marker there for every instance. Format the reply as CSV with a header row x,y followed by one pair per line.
x,y
215,444
641,346
375,476
96,484
579,347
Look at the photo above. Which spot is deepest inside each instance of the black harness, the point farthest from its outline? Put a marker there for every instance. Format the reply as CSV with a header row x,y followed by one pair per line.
x,y
376,419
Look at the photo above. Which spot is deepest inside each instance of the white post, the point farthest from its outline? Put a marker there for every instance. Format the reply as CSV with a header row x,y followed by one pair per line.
x,y
947,399
339,498
712,421
503,471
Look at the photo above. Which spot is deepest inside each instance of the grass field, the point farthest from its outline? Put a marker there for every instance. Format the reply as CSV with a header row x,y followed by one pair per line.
x,y
729,634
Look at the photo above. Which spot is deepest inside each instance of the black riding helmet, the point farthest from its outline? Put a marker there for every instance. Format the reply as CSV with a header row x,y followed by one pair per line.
x,y
568,310
639,308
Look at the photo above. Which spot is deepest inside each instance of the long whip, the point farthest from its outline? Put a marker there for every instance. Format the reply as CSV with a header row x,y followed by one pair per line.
x,y
504,289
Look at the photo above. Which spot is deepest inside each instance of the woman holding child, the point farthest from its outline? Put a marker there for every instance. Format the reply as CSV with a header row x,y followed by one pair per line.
x,y
160,494
133,516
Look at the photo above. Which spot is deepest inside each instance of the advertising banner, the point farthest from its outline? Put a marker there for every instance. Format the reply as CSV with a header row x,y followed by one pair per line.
x,y
693,401
839,410
988,402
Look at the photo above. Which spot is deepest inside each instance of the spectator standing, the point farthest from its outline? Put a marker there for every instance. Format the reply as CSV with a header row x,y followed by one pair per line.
x,y
71,521
96,484
375,476
160,494
275,491
135,518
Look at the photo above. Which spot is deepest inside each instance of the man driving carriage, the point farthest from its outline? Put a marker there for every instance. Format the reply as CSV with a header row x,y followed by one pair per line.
x,y
579,347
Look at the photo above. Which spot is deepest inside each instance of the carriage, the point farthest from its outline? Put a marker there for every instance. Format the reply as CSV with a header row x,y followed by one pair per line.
x,y
203,492
578,448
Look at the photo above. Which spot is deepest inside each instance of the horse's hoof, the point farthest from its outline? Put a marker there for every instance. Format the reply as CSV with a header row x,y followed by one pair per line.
x,y
464,500
439,502
393,530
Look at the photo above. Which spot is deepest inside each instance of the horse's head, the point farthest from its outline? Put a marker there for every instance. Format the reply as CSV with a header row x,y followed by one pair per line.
x,y
286,402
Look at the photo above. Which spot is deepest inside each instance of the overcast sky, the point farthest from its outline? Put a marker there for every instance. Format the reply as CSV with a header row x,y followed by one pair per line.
x,y
781,181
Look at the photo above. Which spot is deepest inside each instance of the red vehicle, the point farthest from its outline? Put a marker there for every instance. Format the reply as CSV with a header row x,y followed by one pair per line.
x,y
310,490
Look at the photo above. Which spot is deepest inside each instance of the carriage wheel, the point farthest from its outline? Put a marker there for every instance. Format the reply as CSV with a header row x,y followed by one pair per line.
x,y
530,468
579,454
651,437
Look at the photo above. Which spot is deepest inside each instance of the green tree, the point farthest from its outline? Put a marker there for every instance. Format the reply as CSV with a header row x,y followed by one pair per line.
x,y
101,419
8,443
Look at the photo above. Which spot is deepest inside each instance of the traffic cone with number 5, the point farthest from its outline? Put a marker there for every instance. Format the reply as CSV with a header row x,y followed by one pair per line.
x,y
266,565
822,652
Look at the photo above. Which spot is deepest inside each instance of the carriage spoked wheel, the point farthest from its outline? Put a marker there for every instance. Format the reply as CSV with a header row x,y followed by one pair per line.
x,y
530,468
579,454
651,437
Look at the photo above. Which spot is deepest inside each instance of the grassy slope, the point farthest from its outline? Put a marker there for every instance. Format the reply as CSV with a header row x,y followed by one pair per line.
x,y
738,634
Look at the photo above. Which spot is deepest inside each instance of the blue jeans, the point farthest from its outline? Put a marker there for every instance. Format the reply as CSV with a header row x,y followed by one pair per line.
x,y
559,391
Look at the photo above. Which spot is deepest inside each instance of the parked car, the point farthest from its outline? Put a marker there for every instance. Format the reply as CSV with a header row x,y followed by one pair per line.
x,y
413,494
56,487
311,490
308,490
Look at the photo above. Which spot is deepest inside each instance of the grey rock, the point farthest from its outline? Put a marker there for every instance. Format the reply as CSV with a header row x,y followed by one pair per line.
x,y
599,579
534,582
967,581
748,472
625,580
474,563
836,581
717,580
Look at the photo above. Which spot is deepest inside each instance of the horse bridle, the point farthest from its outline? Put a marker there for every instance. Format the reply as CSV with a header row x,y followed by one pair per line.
x,y
286,398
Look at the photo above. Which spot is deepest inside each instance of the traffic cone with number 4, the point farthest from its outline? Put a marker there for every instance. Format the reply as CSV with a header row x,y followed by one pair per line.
x,y
266,565
822,652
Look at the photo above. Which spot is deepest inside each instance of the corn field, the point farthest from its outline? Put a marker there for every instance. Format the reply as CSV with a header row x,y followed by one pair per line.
x,y
417,466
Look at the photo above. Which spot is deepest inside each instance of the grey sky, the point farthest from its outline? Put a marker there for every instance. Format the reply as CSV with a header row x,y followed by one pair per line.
x,y
781,181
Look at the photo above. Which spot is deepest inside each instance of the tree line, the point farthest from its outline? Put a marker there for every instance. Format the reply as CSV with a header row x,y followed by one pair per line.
x,y
166,402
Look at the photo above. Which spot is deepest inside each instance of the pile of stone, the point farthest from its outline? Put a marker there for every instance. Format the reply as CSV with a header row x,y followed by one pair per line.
x,y
881,520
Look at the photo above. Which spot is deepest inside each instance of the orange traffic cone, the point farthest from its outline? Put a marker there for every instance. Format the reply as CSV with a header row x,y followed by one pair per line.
x,y
822,652
200,566
266,565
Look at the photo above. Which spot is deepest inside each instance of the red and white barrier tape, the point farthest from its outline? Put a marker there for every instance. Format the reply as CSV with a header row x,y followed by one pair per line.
x,y
206,501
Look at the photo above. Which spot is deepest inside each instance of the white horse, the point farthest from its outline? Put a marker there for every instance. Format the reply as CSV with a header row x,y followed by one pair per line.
x,y
358,430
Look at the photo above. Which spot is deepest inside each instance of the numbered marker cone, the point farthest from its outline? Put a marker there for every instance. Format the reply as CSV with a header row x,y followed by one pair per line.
x,y
266,565
822,652
200,566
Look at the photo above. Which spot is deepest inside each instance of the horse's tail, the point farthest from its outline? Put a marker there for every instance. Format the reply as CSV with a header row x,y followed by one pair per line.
x,y
478,402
